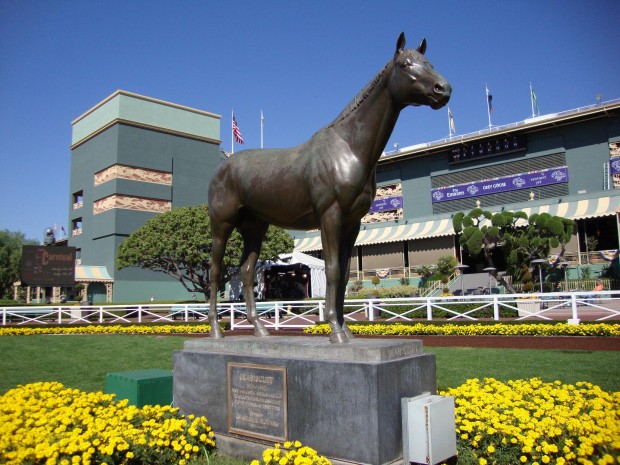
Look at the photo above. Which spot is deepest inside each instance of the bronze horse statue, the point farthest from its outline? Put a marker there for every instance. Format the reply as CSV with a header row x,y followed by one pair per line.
x,y
328,182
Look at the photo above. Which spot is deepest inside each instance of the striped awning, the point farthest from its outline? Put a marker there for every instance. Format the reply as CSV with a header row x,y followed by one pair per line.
x,y
92,273
405,232
578,209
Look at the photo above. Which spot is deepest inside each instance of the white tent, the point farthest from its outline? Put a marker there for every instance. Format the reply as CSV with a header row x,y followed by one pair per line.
x,y
317,275
317,270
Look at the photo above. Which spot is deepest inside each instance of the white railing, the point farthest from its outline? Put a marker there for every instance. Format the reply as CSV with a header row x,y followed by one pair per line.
x,y
279,315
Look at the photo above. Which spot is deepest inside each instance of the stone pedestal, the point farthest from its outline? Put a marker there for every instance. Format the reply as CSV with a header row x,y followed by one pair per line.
x,y
344,400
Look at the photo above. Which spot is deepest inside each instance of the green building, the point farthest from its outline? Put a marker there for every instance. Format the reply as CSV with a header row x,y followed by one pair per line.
x,y
133,157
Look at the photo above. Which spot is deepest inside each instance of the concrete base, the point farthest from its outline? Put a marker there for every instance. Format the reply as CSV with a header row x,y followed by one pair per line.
x,y
344,400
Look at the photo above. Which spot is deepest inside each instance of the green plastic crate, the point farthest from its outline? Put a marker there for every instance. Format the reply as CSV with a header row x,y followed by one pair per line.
x,y
141,387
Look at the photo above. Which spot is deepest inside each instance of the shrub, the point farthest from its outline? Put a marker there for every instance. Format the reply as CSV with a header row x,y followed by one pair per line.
x,y
356,286
446,264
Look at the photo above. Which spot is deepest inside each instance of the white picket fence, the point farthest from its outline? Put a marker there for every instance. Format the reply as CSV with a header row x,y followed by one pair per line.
x,y
277,315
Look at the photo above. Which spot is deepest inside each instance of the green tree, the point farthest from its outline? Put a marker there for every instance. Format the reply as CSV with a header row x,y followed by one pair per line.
x,y
10,260
178,243
521,238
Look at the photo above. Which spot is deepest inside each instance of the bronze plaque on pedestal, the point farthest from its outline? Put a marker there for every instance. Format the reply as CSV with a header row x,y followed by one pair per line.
x,y
257,401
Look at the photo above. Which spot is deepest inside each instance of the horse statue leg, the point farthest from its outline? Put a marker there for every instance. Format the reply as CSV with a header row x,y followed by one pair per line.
x,y
252,241
345,251
220,238
330,238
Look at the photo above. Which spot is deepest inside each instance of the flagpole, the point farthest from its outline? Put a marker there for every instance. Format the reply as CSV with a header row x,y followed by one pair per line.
x,y
449,122
232,133
262,126
532,99
486,86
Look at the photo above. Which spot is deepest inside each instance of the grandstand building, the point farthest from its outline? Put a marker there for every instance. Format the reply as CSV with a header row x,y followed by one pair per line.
x,y
566,164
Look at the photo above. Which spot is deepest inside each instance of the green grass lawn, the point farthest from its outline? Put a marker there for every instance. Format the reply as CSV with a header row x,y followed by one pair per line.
x,y
457,364
83,361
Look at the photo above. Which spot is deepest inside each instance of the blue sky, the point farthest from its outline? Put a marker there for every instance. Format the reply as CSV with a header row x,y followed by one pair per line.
x,y
299,62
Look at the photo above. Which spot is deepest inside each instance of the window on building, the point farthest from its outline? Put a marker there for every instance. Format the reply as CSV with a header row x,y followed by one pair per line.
x,y
78,200
76,229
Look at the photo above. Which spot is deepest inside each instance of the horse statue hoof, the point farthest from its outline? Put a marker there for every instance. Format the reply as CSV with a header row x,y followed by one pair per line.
x,y
338,338
261,332
347,332
216,335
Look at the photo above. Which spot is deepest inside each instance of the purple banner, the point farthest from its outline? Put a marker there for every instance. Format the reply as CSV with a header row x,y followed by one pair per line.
x,y
386,204
502,184
614,165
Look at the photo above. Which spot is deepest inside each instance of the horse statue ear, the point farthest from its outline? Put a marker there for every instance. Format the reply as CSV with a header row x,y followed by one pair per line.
x,y
400,44
422,47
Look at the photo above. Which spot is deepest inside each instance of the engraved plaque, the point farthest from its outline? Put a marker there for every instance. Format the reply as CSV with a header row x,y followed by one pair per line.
x,y
257,401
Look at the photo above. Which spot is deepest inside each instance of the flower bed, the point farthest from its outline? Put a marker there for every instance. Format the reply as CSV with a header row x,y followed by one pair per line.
x,y
48,423
107,329
291,453
532,422
377,329
523,421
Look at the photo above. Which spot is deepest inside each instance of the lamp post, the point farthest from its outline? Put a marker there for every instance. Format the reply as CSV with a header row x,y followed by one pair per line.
x,y
539,262
490,270
461,267
564,265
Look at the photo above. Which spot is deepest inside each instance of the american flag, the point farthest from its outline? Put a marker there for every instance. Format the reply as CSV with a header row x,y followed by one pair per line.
x,y
236,131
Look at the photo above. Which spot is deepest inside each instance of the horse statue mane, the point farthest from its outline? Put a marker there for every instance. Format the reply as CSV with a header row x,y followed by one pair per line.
x,y
360,97
326,183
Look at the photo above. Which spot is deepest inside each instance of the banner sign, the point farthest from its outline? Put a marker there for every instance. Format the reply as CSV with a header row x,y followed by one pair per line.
x,y
386,204
614,165
48,266
502,184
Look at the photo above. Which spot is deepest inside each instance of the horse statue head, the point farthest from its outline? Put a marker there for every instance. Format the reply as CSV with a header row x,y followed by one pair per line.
x,y
414,81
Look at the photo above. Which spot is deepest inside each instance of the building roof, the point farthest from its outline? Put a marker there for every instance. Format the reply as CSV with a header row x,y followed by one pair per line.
x,y
537,123
146,112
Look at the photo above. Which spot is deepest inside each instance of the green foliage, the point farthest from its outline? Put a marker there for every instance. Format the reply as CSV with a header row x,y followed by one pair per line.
x,y
457,222
385,292
375,280
356,286
526,279
522,239
424,271
446,264
178,243
10,260
586,272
